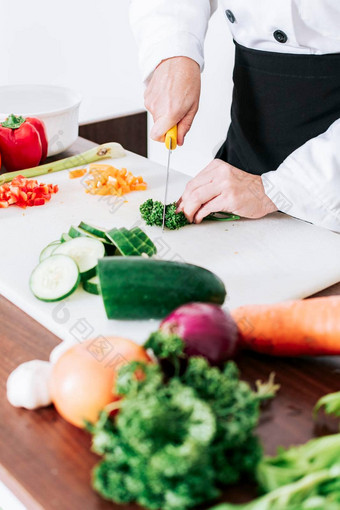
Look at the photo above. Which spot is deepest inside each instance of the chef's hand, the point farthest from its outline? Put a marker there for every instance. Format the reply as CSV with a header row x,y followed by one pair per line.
x,y
222,187
172,96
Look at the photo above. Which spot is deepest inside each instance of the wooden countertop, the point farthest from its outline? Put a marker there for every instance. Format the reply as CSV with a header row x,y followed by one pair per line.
x,y
47,463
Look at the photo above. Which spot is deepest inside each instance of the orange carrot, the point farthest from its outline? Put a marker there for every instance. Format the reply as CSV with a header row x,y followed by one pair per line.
x,y
74,174
308,327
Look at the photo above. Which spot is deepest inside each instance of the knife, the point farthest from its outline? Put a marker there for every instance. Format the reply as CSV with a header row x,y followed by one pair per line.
x,y
170,144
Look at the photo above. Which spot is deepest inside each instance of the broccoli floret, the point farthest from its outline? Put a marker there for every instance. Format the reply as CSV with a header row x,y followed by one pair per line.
x,y
152,213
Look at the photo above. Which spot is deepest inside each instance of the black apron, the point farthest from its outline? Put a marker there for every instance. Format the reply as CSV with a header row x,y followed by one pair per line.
x,y
280,101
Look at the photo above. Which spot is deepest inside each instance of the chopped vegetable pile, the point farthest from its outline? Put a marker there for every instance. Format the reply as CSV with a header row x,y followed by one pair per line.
x,y
152,214
25,192
108,180
175,442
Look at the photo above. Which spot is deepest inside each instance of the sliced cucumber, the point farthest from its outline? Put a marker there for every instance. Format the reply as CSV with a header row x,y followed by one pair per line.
x,y
92,285
96,231
65,237
131,242
146,242
48,250
85,252
75,232
54,278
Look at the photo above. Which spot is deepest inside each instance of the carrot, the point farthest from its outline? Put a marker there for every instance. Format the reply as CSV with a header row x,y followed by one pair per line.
x,y
308,327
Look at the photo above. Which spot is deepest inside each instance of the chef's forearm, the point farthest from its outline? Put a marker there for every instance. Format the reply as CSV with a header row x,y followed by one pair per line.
x,y
307,184
165,29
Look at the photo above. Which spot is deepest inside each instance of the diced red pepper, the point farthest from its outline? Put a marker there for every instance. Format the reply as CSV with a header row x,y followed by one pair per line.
x,y
26,192
39,201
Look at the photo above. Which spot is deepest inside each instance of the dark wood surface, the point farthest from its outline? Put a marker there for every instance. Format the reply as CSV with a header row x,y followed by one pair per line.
x,y
130,131
47,463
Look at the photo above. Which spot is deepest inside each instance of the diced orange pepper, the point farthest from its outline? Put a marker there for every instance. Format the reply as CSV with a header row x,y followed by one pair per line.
x,y
74,174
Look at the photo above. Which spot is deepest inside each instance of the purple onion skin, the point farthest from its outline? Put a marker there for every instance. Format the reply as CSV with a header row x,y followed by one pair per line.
x,y
206,330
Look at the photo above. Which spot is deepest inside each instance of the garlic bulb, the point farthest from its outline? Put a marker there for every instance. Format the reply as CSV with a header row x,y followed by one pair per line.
x,y
28,385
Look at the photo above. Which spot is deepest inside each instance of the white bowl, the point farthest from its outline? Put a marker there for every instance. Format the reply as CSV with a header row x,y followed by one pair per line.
x,y
57,107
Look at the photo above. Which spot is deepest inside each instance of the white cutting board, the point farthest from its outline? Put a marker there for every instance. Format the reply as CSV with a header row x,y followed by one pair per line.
x,y
260,261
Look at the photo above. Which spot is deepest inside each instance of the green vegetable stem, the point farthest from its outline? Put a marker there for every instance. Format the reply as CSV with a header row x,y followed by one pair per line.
x,y
105,151
316,491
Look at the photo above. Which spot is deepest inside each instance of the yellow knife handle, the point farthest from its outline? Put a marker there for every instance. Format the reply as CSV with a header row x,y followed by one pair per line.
x,y
171,134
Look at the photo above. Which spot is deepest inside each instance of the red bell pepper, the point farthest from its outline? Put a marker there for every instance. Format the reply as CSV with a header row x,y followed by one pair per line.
x,y
23,142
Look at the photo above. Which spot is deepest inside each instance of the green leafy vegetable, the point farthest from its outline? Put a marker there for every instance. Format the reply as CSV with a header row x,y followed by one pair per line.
x,y
316,491
152,214
296,462
330,402
175,441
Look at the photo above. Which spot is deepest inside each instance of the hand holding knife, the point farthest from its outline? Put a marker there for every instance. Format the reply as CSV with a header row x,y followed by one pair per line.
x,y
170,144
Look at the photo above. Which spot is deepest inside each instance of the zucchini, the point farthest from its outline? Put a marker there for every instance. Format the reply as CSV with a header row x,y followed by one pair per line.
x,y
142,288
85,252
92,285
96,231
131,242
54,278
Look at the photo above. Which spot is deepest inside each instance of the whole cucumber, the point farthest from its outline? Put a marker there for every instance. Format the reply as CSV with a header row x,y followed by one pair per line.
x,y
141,288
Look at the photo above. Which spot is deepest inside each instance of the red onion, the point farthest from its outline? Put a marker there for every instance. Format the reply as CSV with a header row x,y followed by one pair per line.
x,y
206,330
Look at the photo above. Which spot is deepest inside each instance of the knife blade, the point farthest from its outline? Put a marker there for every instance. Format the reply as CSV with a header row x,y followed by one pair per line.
x,y
170,144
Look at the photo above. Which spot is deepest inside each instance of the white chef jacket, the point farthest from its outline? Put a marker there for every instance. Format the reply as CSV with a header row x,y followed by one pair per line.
x,y
307,183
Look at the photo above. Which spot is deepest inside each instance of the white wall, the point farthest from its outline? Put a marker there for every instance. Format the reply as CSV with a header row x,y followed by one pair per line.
x,y
211,122
86,45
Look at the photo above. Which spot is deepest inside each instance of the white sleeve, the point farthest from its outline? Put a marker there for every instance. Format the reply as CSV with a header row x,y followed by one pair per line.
x,y
307,184
169,28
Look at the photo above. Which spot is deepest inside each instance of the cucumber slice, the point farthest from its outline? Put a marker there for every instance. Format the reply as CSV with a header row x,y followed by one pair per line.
x,y
65,237
54,278
48,250
92,285
91,229
75,232
85,252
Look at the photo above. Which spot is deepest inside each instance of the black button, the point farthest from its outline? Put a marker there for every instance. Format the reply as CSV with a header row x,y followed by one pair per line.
x,y
280,36
230,16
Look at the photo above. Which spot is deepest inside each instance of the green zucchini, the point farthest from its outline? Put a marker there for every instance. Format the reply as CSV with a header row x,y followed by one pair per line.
x,y
145,288
131,242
